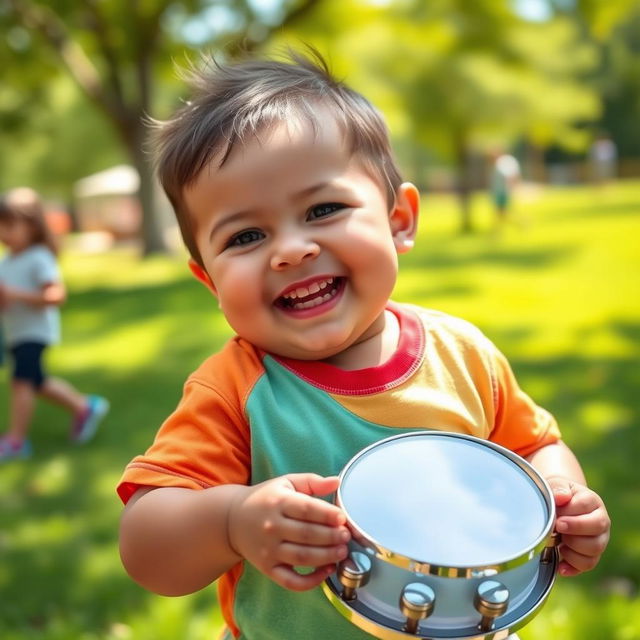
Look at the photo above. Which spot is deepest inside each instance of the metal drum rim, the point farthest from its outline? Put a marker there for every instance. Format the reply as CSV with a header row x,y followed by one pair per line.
x,y
384,632
453,571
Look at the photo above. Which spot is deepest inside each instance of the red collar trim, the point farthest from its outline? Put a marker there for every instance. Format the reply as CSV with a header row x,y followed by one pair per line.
x,y
392,373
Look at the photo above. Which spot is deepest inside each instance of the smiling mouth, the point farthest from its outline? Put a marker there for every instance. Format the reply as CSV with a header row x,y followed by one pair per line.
x,y
308,297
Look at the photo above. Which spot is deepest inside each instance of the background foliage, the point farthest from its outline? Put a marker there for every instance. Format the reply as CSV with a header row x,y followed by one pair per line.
x,y
559,294
453,78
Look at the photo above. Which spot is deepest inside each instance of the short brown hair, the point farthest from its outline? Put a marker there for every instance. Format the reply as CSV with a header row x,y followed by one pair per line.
x,y
234,101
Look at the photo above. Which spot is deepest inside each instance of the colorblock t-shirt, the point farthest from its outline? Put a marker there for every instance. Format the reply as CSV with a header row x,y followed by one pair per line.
x,y
247,416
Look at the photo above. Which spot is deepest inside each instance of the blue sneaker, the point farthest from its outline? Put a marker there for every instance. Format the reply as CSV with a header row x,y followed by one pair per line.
x,y
14,451
85,427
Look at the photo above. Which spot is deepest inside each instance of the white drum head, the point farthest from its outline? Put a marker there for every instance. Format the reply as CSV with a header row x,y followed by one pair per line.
x,y
445,500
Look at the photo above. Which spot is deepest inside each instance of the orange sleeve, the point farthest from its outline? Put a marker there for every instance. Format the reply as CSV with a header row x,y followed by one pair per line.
x,y
520,424
206,441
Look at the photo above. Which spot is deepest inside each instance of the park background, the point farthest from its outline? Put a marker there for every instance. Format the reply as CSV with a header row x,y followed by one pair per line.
x,y
557,290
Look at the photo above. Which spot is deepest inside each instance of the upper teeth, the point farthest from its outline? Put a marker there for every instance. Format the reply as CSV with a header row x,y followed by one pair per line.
x,y
314,287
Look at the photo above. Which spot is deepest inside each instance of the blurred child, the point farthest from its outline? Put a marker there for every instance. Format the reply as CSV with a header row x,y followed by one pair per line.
x,y
505,176
30,293
294,212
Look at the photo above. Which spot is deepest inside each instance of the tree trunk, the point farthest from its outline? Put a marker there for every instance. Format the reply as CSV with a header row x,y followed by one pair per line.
x,y
133,134
535,168
463,183
151,231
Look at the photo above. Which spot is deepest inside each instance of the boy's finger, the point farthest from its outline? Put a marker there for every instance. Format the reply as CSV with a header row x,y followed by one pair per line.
x,y
585,524
290,579
578,561
584,506
566,570
300,555
308,509
314,534
586,545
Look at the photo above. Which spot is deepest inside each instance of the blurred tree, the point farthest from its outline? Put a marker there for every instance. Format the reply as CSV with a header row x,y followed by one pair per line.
x,y
116,51
597,17
45,145
619,82
494,83
614,27
458,76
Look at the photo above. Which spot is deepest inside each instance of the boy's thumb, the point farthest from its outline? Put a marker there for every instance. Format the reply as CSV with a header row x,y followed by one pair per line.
x,y
313,484
562,490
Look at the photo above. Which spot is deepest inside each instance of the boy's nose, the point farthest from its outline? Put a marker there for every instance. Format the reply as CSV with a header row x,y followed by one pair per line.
x,y
292,251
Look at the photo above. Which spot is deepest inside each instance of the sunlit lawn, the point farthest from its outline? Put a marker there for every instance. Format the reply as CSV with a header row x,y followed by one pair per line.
x,y
560,296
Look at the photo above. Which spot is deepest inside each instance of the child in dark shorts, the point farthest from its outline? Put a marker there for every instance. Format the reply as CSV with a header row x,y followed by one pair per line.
x,y
30,293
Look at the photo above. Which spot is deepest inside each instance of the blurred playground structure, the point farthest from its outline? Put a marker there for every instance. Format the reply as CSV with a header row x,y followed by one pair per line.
x,y
107,206
108,201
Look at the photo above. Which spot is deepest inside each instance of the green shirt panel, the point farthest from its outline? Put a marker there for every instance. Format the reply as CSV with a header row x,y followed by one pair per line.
x,y
296,427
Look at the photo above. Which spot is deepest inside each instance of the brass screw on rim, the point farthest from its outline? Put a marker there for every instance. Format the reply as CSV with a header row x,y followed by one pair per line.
x,y
417,601
353,573
491,601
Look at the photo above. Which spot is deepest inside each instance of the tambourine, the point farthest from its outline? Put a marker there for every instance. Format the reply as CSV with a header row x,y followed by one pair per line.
x,y
452,538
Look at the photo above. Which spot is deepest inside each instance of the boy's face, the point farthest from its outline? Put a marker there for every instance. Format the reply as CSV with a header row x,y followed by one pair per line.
x,y
298,242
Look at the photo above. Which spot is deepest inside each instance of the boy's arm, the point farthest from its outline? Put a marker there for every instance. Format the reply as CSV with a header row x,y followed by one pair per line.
x,y
557,460
174,541
581,516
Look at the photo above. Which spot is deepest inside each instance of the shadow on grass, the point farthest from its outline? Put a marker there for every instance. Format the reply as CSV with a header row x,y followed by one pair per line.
x,y
441,270
137,303
455,253
58,541
72,575
601,209
60,574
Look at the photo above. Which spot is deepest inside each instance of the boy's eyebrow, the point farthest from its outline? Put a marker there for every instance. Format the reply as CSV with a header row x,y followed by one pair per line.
x,y
309,191
238,215
232,217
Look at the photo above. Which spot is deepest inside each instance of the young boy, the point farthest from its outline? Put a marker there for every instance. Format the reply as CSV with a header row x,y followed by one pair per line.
x,y
293,211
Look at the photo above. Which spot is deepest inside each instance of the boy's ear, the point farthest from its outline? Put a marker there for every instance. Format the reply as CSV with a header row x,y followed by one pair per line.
x,y
404,217
202,276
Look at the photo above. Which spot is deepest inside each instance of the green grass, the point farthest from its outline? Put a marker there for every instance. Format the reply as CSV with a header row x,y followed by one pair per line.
x,y
560,296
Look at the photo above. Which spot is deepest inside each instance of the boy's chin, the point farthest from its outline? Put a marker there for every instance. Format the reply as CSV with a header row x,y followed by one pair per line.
x,y
307,354
310,350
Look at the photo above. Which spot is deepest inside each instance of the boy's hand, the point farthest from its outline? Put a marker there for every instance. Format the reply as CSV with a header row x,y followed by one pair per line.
x,y
582,519
279,524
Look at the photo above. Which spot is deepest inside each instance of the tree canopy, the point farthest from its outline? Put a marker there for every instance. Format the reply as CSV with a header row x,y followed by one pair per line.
x,y
452,77
118,52
459,77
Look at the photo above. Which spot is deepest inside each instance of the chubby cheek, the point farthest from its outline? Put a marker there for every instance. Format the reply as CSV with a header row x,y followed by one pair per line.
x,y
240,292
252,322
372,262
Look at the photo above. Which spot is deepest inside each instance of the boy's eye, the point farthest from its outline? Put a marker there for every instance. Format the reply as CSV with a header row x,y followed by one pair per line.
x,y
324,210
245,237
